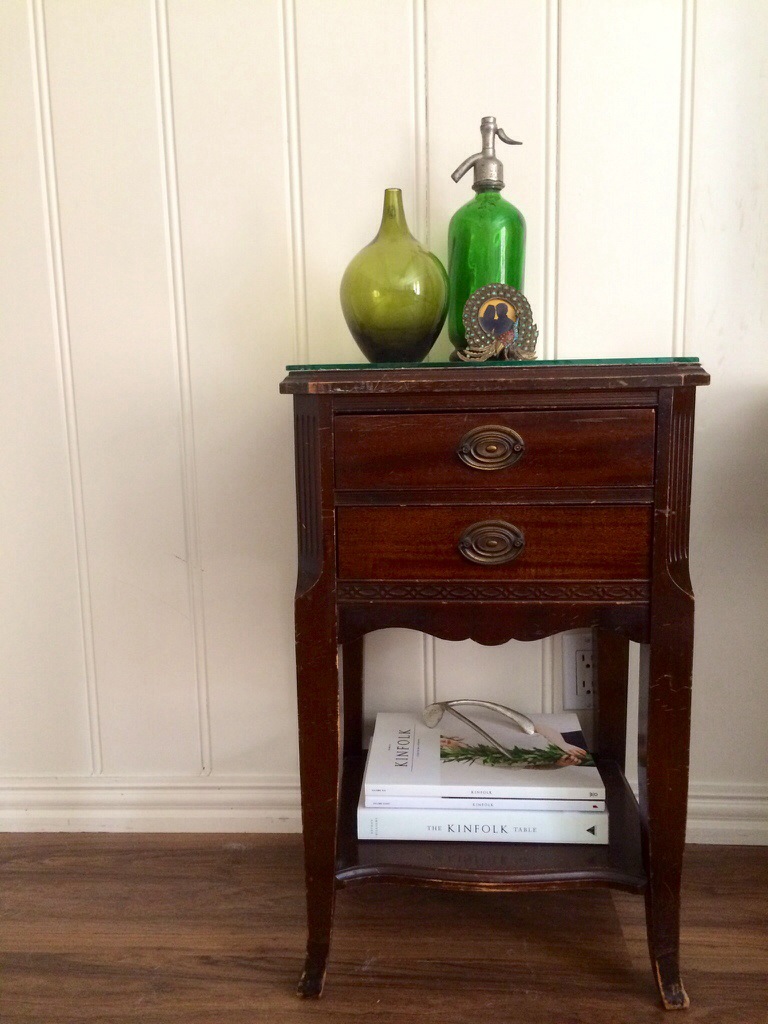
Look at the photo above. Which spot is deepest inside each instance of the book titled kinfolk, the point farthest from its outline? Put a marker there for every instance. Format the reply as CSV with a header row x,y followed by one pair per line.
x,y
388,823
409,759
464,803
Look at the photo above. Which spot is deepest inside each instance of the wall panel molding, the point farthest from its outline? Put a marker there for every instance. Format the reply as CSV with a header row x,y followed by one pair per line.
x,y
550,669
105,123
619,177
295,183
61,326
684,175
227,68
422,228
552,182
421,220
180,341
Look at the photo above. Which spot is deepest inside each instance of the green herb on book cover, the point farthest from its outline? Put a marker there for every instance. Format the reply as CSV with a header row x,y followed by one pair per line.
x,y
453,748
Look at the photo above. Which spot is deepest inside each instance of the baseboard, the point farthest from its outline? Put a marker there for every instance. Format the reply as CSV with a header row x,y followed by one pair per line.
x,y
721,813
728,814
241,803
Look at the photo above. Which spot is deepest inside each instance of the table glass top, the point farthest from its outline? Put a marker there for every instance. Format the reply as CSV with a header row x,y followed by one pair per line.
x,y
511,365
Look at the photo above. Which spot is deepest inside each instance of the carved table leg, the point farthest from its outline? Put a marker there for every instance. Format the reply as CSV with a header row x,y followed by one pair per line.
x,y
611,669
319,742
352,675
665,690
317,677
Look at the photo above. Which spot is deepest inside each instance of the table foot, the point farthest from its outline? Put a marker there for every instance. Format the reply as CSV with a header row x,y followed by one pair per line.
x,y
673,994
313,976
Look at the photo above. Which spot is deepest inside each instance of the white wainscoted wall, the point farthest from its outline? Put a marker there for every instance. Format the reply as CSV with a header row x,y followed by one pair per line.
x,y
182,185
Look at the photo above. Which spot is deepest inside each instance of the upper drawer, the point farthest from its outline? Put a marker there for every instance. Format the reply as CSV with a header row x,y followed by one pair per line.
x,y
568,448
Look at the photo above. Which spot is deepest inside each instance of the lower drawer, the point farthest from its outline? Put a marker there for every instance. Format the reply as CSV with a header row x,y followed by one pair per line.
x,y
501,542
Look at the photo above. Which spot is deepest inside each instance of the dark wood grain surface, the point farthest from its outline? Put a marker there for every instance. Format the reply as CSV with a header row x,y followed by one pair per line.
x,y
419,450
567,542
505,377
582,522
154,929
507,867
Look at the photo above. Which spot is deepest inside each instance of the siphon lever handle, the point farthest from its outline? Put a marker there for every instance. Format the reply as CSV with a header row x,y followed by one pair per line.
x,y
433,713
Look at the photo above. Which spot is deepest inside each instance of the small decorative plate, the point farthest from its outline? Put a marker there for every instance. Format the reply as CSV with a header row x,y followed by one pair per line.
x,y
498,324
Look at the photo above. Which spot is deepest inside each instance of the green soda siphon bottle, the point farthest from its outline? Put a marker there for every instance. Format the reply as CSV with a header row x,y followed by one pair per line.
x,y
486,237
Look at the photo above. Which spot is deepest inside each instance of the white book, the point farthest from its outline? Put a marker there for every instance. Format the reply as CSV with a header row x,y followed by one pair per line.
x,y
392,823
407,758
463,803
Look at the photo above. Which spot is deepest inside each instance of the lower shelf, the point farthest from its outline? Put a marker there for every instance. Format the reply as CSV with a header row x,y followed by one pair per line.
x,y
495,866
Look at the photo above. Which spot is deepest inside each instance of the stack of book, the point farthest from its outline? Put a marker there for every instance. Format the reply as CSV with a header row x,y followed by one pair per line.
x,y
449,784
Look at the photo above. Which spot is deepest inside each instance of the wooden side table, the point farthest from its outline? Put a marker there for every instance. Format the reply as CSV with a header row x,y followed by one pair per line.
x,y
413,486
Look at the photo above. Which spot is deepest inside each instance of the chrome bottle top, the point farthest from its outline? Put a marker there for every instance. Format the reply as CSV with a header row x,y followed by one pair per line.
x,y
489,170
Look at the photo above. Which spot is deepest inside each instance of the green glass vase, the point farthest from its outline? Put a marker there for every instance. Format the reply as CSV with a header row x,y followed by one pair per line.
x,y
486,245
394,293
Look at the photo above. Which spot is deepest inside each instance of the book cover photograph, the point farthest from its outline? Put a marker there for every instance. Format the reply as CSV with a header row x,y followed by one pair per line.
x,y
407,758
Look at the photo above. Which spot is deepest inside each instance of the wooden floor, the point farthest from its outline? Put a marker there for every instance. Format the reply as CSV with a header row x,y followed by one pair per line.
x,y
210,930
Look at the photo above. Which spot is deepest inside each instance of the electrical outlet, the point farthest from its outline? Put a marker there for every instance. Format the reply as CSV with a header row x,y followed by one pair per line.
x,y
578,676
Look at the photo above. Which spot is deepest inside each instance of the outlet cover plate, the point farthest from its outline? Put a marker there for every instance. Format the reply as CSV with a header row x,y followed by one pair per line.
x,y
578,676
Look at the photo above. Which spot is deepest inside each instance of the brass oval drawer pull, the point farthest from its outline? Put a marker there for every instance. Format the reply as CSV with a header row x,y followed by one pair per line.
x,y
491,542
491,447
